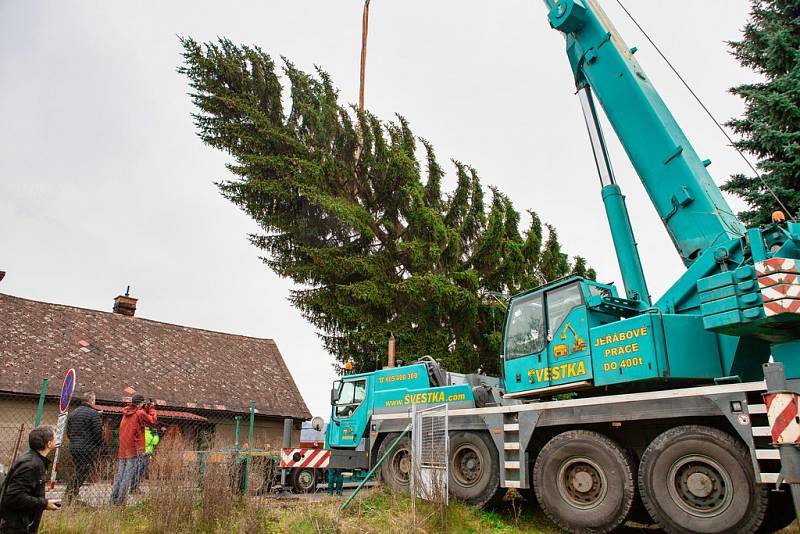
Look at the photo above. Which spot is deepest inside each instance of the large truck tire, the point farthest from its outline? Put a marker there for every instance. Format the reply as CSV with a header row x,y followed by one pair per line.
x,y
584,482
780,512
304,480
697,479
474,468
638,513
396,469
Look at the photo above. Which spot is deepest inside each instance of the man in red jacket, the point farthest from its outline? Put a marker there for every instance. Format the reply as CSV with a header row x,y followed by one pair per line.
x,y
135,417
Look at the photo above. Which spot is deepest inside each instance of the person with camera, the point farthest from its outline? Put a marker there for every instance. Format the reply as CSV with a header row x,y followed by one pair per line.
x,y
22,495
136,416
151,440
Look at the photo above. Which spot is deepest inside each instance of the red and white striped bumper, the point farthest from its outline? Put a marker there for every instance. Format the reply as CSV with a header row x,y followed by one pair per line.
x,y
782,412
313,458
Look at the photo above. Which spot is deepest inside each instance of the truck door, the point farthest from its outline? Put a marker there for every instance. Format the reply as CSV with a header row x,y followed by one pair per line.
x,y
568,335
526,345
350,413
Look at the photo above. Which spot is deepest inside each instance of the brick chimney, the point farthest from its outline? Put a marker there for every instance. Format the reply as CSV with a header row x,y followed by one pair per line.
x,y
125,304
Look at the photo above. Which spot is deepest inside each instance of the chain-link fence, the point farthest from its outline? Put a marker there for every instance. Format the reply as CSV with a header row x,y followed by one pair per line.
x,y
199,453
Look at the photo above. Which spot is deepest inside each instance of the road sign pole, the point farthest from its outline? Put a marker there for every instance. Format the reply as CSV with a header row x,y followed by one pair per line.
x,y
67,389
60,428
249,459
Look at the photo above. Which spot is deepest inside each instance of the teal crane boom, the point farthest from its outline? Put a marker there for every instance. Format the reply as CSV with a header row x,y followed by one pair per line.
x,y
691,206
735,278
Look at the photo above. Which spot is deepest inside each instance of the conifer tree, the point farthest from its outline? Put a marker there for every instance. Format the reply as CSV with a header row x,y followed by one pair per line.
x,y
770,128
369,236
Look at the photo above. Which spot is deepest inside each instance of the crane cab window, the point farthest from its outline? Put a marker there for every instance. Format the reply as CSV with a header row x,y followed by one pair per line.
x,y
559,303
598,290
351,395
525,333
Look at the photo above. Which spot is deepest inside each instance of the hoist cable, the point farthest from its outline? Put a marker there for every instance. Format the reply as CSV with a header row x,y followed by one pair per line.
x,y
708,112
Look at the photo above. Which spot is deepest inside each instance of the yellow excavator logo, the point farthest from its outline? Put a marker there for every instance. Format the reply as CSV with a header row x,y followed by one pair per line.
x,y
562,349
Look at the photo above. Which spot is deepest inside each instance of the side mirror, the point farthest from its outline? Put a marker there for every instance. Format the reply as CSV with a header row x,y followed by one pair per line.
x,y
334,395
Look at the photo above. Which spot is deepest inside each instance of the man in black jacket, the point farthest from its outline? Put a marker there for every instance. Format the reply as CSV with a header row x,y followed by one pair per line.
x,y
23,499
85,433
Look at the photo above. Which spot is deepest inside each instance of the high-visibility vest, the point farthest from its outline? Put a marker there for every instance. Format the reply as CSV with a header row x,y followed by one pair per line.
x,y
150,440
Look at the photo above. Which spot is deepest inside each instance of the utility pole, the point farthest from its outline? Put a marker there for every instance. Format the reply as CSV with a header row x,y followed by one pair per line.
x,y
362,76
364,32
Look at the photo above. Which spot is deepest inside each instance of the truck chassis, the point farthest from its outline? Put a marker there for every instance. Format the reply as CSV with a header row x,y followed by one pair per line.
x,y
528,436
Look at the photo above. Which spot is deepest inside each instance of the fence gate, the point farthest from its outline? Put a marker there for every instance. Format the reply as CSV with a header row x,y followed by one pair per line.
x,y
430,451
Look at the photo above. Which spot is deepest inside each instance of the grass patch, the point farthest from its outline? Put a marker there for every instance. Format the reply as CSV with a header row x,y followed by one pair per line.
x,y
377,512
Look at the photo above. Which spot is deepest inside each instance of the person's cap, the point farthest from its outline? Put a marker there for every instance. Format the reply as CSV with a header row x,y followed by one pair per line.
x,y
137,399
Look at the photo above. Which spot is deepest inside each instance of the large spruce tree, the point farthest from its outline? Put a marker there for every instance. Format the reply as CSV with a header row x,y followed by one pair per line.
x,y
363,227
770,128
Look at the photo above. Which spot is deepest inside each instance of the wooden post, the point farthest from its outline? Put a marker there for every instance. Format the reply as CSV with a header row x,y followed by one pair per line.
x,y
390,351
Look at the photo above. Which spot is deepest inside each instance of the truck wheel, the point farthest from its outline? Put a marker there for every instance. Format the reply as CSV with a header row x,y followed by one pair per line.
x,y
697,479
396,469
304,480
584,481
780,512
474,468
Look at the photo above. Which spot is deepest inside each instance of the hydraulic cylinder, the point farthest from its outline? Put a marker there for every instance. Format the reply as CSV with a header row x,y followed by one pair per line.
x,y
630,265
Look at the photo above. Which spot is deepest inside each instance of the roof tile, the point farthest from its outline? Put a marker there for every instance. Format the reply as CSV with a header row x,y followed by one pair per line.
x,y
180,366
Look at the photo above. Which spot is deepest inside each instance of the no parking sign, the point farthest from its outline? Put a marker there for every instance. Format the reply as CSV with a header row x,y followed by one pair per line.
x,y
66,391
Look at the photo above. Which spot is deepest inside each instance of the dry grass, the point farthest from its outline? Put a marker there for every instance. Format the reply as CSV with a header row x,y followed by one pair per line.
x,y
172,491
180,501
378,512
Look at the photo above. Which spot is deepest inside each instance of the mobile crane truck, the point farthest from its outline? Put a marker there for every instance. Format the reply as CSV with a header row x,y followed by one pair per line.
x,y
682,409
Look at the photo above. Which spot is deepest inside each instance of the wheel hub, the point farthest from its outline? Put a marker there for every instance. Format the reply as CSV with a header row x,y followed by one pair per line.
x,y
582,483
305,479
467,466
401,463
405,465
700,486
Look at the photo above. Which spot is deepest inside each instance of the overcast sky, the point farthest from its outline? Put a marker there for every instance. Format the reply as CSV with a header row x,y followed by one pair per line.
x,y
103,182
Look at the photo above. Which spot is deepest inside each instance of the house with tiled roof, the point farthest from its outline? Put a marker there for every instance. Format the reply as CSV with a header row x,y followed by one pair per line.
x,y
199,380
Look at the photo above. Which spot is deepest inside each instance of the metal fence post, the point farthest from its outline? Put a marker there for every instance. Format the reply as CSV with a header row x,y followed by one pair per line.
x,y
249,458
238,420
40,408
287,443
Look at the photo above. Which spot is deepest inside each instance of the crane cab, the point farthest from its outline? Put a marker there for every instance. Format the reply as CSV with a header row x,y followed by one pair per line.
x,y
576,333
546,345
